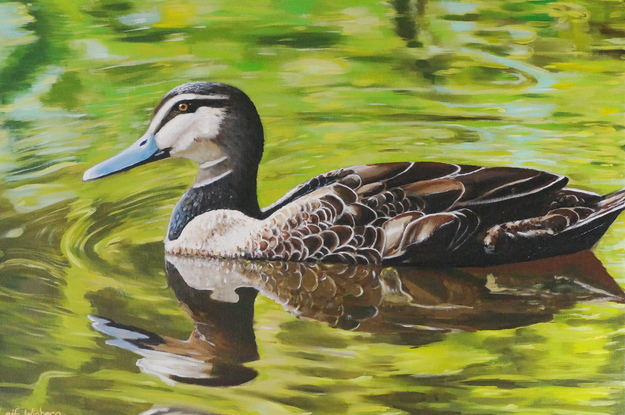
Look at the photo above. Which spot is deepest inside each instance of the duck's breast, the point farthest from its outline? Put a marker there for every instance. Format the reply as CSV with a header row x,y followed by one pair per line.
x,y
219,233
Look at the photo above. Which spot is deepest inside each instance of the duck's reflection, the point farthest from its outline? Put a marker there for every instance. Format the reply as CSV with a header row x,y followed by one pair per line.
x,y
213,355
415,306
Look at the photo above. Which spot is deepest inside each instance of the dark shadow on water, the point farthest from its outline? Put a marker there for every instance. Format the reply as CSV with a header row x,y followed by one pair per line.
x,y
397,305
308,39
408,14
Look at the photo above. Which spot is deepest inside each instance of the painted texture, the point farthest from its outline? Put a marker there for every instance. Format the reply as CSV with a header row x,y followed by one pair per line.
x,y
537,84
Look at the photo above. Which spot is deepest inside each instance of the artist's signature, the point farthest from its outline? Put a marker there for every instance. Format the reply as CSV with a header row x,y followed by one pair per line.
x,y
26,411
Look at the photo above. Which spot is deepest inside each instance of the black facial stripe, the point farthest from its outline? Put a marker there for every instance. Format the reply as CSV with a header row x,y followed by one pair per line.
x,y
192,106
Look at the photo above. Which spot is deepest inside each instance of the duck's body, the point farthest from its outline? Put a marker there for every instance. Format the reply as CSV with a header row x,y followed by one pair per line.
x,y
427,213
405,213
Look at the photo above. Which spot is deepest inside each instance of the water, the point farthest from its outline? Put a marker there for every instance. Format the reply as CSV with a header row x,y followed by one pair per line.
x,y
91,320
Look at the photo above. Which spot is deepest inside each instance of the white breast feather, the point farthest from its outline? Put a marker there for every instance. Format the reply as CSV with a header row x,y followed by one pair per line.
x,y
219,233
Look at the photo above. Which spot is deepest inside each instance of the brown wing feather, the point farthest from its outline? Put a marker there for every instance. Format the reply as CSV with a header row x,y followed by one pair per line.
x,y
417,213
495,184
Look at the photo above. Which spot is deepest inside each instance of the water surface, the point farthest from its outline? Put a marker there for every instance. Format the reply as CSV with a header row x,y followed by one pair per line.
x,y
85,298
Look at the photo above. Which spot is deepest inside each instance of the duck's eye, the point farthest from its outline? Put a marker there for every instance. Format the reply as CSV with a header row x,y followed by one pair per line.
x,y
182,107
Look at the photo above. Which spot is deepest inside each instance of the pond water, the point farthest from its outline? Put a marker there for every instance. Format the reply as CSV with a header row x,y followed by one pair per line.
x,y
95,319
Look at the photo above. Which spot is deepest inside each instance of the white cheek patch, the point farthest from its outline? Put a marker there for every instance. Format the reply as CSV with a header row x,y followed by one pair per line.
x,y
189,135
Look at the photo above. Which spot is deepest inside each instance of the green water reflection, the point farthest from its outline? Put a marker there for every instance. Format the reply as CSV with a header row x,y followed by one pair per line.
x,y
537,84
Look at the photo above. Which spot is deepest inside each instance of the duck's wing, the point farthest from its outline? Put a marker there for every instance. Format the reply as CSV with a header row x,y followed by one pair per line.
x,y
402,212
305,188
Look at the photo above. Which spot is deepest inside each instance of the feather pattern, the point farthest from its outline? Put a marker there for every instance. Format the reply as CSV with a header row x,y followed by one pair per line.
x,y
417,213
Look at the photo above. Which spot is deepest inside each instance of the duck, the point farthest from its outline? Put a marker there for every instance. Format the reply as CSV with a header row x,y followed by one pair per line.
x,y
413,213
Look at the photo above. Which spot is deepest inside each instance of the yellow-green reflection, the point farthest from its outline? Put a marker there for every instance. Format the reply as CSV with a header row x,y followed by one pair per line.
x,y
537,84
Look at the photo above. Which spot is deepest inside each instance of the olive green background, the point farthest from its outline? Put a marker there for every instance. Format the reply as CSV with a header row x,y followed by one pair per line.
x,y
521,83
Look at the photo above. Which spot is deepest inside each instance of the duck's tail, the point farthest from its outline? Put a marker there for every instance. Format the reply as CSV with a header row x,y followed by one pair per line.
x,y
608,209
595,225
545,236
613,202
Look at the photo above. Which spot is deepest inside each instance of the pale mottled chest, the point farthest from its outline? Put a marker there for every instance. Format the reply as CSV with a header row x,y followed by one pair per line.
x,y
218,233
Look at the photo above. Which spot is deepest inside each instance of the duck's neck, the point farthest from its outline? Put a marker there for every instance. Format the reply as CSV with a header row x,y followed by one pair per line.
x,y
216,187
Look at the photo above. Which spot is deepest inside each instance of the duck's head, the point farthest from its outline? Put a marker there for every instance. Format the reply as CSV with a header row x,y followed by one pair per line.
x,y
213,124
